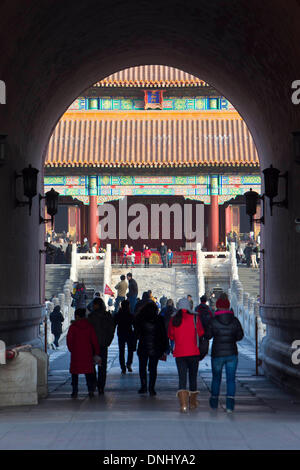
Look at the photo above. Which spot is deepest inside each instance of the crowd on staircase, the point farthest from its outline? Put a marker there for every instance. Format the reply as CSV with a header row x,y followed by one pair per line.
x,y
154,329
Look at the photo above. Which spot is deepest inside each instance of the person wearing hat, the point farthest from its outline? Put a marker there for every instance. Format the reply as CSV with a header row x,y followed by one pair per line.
x,y
226,330
183,330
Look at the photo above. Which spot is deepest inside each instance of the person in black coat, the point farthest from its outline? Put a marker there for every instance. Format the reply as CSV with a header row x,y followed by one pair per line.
x,y
68,254
124,322
226,330
132,292
204,312
153,343
56,319
163,253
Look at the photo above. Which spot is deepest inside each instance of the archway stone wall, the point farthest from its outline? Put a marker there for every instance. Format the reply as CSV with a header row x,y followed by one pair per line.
x,y
51,51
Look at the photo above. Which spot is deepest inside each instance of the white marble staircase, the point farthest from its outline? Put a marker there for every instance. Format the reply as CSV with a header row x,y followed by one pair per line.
x,y
174,283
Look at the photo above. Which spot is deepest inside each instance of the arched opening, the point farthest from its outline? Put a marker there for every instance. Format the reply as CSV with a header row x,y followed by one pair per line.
x,y
222,45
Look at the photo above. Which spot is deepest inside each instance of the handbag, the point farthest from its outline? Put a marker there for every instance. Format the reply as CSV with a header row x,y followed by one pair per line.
x,y
163,357
202,343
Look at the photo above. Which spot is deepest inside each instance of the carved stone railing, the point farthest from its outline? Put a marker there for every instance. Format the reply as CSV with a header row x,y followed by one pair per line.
x,y
245,307
64,300
107,271
199,271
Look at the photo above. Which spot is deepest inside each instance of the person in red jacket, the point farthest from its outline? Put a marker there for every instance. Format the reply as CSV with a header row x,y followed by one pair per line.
x,y
83,345
147,254
182,330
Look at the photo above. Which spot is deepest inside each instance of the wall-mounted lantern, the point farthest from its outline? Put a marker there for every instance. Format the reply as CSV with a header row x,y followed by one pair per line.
x,y
29,176
252,198
271,177
51,202
3,147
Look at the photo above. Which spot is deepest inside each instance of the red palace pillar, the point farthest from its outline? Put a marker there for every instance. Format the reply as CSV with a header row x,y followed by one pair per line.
x,y
228,219
93,211
213,240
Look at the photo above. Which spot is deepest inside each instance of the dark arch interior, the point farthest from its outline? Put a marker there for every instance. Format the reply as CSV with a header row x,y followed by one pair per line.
x,y
249,51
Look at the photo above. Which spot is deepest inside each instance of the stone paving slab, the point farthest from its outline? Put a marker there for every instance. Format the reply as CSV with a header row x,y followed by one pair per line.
x,y
265,416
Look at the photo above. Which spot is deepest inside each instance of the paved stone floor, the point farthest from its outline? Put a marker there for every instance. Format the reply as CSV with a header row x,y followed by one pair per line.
x,y
265,417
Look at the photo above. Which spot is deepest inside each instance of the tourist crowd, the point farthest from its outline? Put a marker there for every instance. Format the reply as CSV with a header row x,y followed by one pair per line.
x,y
154,329
128,256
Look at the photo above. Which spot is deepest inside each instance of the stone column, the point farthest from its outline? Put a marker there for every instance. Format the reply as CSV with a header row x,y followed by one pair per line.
x,y
214,213
93,215
280,293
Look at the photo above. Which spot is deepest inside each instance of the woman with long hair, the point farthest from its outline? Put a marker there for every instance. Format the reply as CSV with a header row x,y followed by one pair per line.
x,y
183,329
153,343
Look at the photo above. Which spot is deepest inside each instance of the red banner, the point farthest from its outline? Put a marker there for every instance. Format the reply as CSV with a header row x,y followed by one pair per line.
x,y
108,290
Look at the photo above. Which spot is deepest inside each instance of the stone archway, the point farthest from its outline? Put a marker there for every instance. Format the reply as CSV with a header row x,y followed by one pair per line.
x,y
249,52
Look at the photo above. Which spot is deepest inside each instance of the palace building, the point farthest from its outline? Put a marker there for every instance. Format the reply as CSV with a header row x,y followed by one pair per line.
x,y
153,135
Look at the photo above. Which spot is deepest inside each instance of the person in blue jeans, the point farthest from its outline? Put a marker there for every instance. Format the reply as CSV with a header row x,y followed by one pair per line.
x,y
226,330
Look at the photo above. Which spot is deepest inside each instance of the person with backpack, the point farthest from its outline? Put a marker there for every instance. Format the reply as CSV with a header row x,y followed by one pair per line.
x,y
204,312
79,297
226,330
184,328
124,322
104,326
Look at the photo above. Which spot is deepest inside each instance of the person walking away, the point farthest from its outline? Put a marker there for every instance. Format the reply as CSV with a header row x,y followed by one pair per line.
x,y
248,254
124,322
84,347
147,254
79,297
140,303
226,330
170,258
104,326
153,343
90,305
183,330
163,253
167,313
121,288
204,311
68,253
56,319
163,301
132,292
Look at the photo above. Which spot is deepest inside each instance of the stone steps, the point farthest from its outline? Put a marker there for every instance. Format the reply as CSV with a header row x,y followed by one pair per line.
x,y
250,279
174,283
55,278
